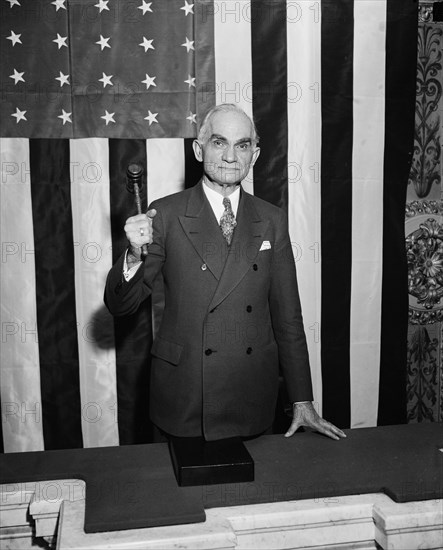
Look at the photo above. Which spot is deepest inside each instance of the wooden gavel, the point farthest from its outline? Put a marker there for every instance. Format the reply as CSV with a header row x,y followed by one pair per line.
x,y
134,183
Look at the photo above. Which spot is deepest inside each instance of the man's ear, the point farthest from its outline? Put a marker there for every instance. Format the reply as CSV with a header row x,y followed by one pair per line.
x,y
198,150
255,155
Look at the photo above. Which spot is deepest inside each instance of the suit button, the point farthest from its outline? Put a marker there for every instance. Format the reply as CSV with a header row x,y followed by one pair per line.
x,y
249,309
249,351
204,267
255,267
208,351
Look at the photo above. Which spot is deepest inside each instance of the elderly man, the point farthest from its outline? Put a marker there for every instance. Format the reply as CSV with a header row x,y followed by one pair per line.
x,y
232,311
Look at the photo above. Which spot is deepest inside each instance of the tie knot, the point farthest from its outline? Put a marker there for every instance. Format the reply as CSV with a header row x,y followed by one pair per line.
x,y
227,203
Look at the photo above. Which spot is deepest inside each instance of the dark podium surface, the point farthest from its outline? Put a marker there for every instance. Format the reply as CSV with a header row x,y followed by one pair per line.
x,y
134,486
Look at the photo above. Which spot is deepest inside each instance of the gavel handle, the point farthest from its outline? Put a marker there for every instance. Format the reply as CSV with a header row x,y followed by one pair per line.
x,y
144,247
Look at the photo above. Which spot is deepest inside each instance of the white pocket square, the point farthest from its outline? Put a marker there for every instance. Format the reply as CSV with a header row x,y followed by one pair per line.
x,y
266,245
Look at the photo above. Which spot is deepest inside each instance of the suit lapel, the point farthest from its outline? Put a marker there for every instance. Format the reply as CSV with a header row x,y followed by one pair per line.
x,y
246,243
203,231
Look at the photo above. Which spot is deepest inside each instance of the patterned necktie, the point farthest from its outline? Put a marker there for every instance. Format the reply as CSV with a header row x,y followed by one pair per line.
x,y
227,221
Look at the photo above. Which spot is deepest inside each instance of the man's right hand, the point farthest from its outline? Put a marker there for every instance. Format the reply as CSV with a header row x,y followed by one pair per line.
x,y
139,231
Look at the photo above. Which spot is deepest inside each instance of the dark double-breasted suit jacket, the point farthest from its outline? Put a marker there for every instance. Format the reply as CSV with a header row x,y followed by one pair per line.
x,y
231,316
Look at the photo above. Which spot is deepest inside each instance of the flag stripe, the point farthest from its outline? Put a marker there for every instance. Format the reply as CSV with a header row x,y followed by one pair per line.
x,y
193,168
55,284
401,46
93,259
367,208
167,166
233,70
304,151
132,333
19,366
336,215
269,78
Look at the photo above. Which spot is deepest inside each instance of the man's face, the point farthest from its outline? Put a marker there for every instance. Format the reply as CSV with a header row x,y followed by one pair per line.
x,y
228,152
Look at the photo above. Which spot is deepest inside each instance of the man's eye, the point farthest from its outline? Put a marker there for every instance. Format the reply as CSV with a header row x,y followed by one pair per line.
x,y
244,146
218,143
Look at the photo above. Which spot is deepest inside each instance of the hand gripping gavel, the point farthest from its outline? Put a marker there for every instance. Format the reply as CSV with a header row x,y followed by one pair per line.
x,y
134,183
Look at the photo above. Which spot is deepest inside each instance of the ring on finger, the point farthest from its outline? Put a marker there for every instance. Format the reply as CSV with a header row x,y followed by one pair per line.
x,y
142,232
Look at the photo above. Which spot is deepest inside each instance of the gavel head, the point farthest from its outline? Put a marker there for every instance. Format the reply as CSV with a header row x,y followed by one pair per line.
x,y
134,176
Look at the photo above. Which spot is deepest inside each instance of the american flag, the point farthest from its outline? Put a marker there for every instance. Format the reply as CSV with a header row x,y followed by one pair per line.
x,y
331,86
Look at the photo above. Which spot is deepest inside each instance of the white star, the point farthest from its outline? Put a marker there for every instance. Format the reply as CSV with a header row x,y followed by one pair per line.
x,y
61,41
192,117
191,81
19,115
145,7
18,77
149,81
13,3
106,79
102,5
63,78
14,38
108,117
103,42
188,8
189,44
147,44
152,117
59,4
66,117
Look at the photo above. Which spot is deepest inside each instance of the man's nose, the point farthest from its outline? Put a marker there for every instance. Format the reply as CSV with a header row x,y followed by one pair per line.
x,y
229,154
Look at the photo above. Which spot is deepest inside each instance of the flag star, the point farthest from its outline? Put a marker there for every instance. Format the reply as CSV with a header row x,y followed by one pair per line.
x,y
106,79
59,4
108,117
189,44
102,5
152,117
147,44
14,38
13,3
61,41
191,81
19,115
66,117
192,117
188,8
18,77
103,42
146,6
63,78
149,81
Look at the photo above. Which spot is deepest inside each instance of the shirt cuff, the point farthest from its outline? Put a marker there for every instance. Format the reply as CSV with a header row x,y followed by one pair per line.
x,y
129,273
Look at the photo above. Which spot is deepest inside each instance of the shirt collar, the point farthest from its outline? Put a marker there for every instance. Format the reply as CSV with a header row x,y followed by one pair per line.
x,y
216,200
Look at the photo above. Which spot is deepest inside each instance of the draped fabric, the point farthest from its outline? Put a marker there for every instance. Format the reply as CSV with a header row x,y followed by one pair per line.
x,y
331,87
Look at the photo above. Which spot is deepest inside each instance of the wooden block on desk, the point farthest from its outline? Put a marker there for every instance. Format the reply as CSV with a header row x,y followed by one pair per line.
x,y
200,462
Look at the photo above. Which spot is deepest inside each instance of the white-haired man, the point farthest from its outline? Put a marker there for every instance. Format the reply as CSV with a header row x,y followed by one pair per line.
x,y
232,309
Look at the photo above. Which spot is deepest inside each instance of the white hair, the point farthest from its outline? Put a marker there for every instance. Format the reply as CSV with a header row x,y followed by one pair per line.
x,y
203,134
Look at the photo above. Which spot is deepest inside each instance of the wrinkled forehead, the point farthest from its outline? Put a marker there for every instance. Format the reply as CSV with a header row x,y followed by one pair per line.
x,y
232,125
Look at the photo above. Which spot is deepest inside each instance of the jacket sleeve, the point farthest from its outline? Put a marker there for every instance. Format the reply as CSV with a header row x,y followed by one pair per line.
x,y
124,297
287,321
